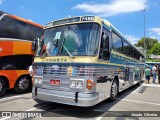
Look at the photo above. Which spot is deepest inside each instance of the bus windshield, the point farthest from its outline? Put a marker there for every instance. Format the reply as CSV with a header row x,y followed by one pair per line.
x,y
75,39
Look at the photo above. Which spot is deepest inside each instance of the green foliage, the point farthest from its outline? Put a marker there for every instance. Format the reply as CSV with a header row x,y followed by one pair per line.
x,y
149,43
152,60
155,49
152,47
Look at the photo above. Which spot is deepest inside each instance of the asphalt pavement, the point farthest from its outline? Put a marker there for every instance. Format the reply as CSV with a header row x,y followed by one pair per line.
x,y
142,102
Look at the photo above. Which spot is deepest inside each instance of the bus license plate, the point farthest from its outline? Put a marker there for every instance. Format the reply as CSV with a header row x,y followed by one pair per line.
x,y
55,82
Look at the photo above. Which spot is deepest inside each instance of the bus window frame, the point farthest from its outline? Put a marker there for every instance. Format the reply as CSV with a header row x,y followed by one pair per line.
x,y
120,51
106,31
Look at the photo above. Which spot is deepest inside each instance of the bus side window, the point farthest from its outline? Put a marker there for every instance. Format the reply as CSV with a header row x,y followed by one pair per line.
x,y
101,47
104,47
106,52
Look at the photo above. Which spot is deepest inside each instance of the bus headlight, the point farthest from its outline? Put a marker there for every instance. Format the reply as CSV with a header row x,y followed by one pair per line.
x,y
35,80
73,84
80,84
76,83
38,80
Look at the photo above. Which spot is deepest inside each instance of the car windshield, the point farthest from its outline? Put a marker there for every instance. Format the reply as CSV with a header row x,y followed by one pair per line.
x,y
76,39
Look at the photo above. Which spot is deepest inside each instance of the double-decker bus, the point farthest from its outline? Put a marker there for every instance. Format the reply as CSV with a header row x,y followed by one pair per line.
x,y
16,55
88,61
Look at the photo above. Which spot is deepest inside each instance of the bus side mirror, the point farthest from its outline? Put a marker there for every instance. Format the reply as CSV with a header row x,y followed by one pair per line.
x,y
34,44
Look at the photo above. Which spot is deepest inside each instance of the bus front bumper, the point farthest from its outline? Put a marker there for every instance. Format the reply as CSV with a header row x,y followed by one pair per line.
x,y
70,98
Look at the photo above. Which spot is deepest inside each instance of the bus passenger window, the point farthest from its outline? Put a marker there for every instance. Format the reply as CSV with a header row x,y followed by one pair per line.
x,y
106,53
117,42
101,46
104,47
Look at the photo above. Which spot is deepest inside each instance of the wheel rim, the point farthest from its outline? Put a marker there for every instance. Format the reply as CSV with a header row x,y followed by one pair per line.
x,y
1,87
114,90
23,84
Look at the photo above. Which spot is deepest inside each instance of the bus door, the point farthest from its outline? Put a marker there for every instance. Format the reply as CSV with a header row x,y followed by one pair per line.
x,y
104,55
105,45
126,76
137,72
131,71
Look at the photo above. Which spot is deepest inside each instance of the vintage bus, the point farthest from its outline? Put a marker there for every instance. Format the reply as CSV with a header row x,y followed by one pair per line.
x,y
84,60
16,55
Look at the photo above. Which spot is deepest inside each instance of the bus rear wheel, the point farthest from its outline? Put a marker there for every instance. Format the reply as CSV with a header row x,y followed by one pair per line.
x,y
3,87
114,90
23,85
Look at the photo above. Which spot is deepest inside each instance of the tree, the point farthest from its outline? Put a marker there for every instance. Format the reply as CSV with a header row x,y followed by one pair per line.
x,y
149,43
155,49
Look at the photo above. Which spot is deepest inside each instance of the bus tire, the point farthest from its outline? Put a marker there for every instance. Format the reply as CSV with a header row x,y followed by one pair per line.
x,y
114,90
23,85
3,87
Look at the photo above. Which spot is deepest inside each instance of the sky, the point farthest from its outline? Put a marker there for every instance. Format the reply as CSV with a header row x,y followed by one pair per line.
x,y
128,16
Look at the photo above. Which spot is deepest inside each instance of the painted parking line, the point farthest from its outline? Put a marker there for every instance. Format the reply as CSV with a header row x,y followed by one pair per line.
x,y
150,103
151,85
148,85
9,98
136,89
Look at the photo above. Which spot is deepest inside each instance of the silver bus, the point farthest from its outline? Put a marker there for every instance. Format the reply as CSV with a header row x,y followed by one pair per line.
x,y
91,61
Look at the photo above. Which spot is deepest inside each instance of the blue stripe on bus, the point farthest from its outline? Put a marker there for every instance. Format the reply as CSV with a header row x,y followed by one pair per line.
x,y
88,64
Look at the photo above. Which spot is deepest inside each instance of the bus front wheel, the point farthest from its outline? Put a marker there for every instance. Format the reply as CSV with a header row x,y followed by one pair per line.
x,y
3,87
114,90
23,85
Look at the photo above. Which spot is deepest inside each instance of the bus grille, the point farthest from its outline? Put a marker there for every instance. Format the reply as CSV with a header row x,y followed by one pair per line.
x,y
76,70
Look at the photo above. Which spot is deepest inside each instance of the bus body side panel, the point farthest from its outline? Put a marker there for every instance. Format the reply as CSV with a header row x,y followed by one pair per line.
x,y
103,89
14,46
16,75
12,76
15,58
131,71
8,75
104,83
22,47
6,47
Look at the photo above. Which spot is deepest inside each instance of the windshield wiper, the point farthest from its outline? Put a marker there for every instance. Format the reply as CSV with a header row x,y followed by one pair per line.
x,y
66,49
69,53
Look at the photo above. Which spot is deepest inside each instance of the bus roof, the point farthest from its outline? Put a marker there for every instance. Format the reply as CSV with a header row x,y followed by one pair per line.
x,y
71,20
153,62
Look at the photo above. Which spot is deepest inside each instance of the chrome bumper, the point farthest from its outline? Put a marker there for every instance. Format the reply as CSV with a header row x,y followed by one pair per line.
x,y
70,98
